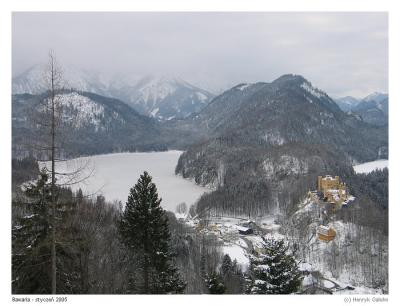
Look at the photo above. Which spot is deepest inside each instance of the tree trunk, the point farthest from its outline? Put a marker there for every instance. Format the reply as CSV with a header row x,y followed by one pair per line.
x,y
146,276
53,182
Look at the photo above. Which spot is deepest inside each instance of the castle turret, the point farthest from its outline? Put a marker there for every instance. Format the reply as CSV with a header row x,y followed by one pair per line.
x,y
319,183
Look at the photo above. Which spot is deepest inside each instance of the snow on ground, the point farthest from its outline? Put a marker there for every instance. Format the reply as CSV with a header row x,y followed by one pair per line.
x,y
307,280
154,112
305,267
268,222
201,96
244,86
114,174
371,166
312,90
238,246
360,290
236,252
328,284
256,240
88,109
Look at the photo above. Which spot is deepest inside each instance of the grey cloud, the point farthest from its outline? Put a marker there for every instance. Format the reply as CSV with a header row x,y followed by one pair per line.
x,y
342,53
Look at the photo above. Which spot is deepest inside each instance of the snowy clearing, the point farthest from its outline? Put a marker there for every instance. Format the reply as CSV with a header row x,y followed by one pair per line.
x,y
114,174
371,166
238,253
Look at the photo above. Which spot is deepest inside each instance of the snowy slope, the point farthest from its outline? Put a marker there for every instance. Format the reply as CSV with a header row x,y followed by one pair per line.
x,y
347,103
353,258
165,97
81,110
371,166
375,96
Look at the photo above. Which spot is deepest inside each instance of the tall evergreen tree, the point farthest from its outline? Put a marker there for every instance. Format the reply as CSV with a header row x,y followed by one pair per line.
x,y
32,240
226,268
232,276
31,243
274,271
215,283
143,228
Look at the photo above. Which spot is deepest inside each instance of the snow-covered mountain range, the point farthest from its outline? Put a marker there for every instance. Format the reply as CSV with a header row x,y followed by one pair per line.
x,y
376,97
372,109
32,81
348,103
161,97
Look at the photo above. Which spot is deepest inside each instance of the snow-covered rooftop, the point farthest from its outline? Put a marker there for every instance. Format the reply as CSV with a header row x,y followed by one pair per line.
x,y
242,228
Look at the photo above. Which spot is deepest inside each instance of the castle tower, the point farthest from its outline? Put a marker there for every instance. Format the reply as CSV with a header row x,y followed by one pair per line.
x,y
319,183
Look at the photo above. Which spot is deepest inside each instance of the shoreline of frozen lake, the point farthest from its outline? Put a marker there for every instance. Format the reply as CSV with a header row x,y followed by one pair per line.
x,y
371,166
112,175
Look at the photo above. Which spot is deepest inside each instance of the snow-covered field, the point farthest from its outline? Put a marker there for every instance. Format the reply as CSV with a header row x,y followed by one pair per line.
x,y
236,252
371,166
112,175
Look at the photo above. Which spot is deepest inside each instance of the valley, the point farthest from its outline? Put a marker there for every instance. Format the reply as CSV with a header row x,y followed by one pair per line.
x,y
242,164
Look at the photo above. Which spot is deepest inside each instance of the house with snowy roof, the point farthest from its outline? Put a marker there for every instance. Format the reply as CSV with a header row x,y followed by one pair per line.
x,y
244,230
326,233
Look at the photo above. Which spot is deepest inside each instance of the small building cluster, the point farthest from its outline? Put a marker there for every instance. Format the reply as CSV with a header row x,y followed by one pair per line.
x,y
332,193
226,226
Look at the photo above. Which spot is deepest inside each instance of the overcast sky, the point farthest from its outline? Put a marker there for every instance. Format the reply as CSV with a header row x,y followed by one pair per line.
x,y
341,53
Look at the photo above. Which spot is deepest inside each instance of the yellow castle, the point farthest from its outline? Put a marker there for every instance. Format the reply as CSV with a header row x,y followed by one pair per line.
x,y
333,190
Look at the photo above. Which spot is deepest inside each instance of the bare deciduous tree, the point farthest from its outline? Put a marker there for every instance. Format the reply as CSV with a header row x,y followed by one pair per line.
x,y
51,140
53,78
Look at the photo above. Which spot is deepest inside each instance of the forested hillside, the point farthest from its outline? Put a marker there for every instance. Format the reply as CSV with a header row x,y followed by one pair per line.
x,y
91,124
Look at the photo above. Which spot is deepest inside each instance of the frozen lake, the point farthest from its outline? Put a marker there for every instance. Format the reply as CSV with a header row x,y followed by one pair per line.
x,y
371,166
112,175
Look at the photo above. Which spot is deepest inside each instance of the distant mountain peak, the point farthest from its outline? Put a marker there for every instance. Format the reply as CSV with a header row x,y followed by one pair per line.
x,y
291,78
347,103
375,96
166,97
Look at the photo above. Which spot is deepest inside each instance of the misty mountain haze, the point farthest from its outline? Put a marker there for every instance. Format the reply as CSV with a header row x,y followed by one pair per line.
x,y
162,97
213,50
